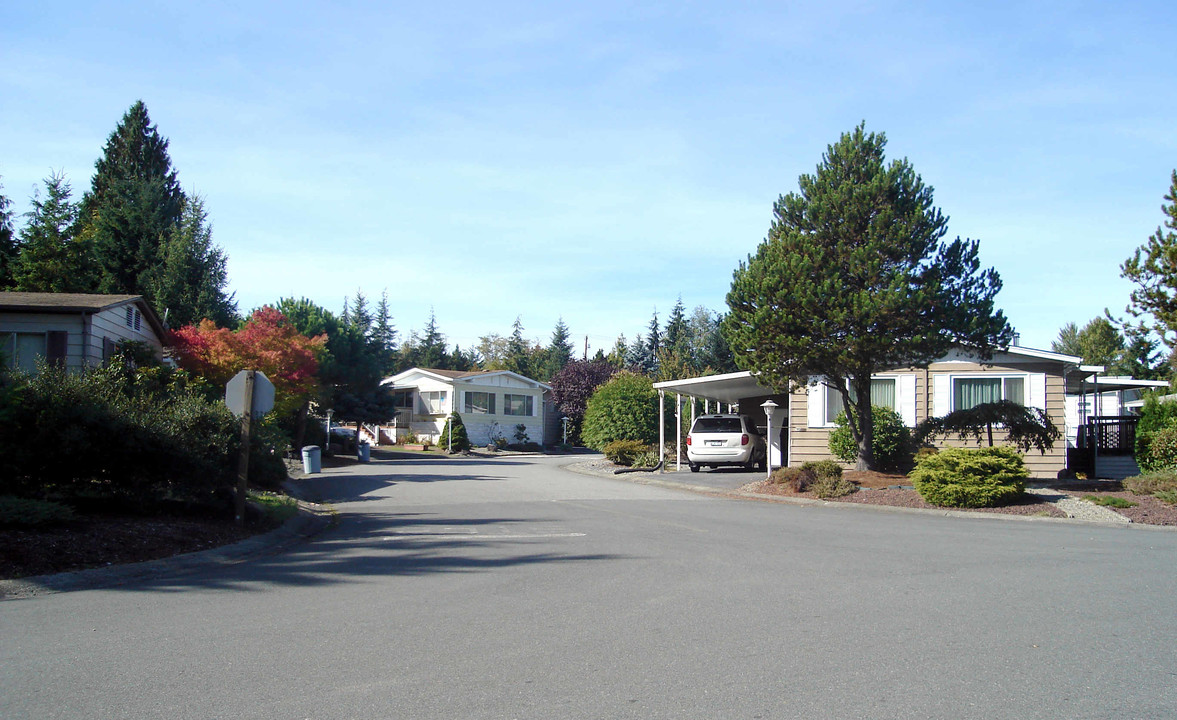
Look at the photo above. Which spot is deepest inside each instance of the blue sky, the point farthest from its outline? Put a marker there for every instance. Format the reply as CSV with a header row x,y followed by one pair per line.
x,y
594,163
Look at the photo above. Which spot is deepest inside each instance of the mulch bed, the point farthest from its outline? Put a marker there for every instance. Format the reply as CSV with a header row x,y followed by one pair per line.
x,y
101,540
880,489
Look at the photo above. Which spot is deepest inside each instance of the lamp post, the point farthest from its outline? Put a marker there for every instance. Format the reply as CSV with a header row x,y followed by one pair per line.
x,y
565,420
769,409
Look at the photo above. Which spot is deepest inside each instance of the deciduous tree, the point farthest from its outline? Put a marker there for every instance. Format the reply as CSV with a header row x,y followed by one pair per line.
x,y
854,279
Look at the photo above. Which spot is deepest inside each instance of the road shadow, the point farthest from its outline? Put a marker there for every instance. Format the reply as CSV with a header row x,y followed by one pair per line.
x,y
358,488
370,545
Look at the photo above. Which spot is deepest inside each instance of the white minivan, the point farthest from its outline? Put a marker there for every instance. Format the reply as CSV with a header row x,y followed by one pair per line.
x,y
717,440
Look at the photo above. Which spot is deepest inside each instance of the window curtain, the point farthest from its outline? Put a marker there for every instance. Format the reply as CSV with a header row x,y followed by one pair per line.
x,y
971,392
882,393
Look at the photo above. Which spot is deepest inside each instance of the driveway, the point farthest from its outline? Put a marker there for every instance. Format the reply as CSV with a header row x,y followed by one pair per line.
x,y
509,588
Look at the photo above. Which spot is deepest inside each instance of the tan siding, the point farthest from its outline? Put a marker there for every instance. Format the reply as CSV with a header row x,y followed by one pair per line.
x,y
812,443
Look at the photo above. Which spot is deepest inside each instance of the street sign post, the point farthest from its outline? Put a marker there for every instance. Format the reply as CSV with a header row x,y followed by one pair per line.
x,y
248,389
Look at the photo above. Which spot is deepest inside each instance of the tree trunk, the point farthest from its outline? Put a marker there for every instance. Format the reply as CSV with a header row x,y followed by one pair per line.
x,y
866,424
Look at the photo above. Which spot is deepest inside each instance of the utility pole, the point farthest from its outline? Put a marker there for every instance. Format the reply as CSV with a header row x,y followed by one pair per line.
x,y
586,347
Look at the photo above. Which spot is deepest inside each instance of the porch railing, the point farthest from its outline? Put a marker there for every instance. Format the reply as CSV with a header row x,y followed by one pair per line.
x,y
1111,435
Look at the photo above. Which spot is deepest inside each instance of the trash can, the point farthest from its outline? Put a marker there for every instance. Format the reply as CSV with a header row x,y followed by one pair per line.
x,y
312,459
363,452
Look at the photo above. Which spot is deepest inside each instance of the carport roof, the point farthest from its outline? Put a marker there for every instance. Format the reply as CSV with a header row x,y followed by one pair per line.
x,y
728,388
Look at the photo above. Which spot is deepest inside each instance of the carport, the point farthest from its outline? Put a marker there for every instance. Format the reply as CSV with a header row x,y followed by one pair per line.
x,y
720,393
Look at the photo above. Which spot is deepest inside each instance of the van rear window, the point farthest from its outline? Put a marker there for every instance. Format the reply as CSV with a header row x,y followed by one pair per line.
x,y
718,425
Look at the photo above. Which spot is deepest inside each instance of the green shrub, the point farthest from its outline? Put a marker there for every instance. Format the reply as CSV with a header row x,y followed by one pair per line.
x,y
647,459
106,432
797,479
460,440
891,441
832,486
1154,415
624,452
965,477
25,513
1169,496
625,408
823,468
1152,483
1157,449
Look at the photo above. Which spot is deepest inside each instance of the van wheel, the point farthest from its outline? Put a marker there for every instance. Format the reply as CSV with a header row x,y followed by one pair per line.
x,y
693,466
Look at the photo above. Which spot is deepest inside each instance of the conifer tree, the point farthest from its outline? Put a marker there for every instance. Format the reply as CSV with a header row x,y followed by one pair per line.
x,y
51,258
134,203
8,249
1153,267
853,279
189,282
676,336
558,353
383,330
518,358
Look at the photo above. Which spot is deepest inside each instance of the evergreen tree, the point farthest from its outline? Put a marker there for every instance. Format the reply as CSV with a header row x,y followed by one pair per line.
x,y
518,358
677,336
384,332
853,279
558,353
1153,267
361,317
1098,343
134,204
617,356
431,351
8,248
51,259
653,341
189,283
638,357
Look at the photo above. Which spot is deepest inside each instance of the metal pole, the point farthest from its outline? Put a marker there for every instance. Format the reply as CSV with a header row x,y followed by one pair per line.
x,y
678,432
662,430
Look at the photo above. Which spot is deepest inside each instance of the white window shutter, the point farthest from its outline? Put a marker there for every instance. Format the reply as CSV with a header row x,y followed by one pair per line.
x,y
817,405
905,403
1038,390
941,395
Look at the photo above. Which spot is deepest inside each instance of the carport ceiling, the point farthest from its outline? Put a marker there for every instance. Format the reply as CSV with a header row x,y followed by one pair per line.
x,y
729,388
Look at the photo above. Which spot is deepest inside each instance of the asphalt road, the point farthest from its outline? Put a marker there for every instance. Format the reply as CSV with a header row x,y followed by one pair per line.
x,y
509,588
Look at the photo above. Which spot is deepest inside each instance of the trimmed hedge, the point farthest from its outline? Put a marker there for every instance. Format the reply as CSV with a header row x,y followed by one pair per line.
x,y
625,408
965,477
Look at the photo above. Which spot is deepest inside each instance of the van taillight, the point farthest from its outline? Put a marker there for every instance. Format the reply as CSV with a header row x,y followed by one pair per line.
x,y
688,439
744,439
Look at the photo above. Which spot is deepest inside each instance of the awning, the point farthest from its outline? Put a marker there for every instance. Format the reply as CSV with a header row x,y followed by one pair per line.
x,y
728,388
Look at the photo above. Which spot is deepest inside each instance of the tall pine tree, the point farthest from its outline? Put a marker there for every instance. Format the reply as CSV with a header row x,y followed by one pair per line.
x,y
558,353
188,284
7,240
51,258
133,206
854,279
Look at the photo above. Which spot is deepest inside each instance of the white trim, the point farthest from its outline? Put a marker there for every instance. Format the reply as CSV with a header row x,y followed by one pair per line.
x,y
905,394
1028,393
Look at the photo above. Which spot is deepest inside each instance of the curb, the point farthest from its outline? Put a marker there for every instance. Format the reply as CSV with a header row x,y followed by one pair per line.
x,y
311,519
811,502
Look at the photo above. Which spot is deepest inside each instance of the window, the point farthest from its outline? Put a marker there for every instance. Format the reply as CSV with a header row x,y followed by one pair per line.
x,y
433,401
969,392
481,403
882,393
21,350
517,405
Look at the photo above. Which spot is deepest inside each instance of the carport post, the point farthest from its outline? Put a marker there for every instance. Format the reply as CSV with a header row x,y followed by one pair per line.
x,y
678,432
662,430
